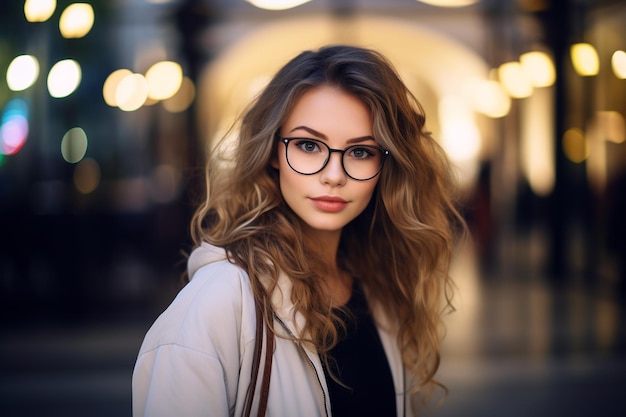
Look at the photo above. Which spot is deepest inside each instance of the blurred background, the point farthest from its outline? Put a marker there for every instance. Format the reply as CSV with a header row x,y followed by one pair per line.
x,y
108,106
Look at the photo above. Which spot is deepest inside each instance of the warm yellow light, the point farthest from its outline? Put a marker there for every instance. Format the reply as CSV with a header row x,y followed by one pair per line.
x,y
585,59
63,78
449,3
182,99
110,85
459,134
536,139
39,10
514,80
76,20
22,72
150,101
277,4
132,92
539,68
489,98
618,62
164,79
575,145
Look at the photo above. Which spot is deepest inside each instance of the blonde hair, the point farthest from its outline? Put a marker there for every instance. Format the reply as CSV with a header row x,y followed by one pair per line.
x,y
399,248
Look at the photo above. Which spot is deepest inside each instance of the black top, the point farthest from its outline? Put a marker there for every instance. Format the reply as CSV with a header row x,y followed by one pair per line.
x,y
360,363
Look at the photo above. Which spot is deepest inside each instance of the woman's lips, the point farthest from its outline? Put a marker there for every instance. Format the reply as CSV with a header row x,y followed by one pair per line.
x,y
329,203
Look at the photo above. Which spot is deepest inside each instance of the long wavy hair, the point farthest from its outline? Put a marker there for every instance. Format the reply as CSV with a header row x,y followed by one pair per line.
x,y
399,248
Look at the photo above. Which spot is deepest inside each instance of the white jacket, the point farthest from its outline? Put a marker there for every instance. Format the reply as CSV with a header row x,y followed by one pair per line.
x,y
196,358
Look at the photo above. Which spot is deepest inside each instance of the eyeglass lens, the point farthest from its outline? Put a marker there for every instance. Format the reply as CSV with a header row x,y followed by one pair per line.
x,y
309,156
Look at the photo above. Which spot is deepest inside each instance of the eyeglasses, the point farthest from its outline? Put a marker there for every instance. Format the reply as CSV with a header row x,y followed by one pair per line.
x,y
308,156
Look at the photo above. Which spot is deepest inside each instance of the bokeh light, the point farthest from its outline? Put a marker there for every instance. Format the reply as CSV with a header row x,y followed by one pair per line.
x,y
618,63
74,145
539,68
64,78
22,72
536,141
87,176
449,3
575,145
489,98
459,136
183,98
39,10
150,102
110,85
76,20
585,59
131,93
277,4
164,79
514,80
14,127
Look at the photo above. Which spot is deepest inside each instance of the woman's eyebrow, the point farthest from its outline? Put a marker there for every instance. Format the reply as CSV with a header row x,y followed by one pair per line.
x,y
361,139
309,130
323,136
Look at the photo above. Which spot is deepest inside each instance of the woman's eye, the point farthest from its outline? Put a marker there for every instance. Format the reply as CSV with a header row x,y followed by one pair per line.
x,y
361,153
308,146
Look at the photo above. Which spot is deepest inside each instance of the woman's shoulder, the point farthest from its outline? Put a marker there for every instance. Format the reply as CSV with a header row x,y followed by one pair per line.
x,y
214,281
217,304
216,284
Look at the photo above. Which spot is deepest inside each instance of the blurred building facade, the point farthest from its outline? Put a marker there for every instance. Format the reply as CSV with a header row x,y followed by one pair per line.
x,y
105,123
542,170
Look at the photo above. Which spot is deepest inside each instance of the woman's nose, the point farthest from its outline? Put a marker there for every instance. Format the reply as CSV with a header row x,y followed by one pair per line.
x,y
333,173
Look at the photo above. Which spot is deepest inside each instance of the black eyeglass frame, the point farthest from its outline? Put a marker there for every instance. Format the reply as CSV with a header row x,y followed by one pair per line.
x,y
384,151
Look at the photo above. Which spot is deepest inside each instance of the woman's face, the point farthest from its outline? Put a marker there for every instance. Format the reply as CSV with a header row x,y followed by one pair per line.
x,y
329,199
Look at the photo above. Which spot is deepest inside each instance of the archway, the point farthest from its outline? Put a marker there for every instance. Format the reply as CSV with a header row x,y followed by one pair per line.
x,y
436,68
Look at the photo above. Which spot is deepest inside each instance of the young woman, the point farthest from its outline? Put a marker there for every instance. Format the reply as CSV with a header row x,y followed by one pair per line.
x,y
332,220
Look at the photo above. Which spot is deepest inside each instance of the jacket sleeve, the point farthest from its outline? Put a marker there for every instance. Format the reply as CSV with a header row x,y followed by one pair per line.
x,y
174,380
190,361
